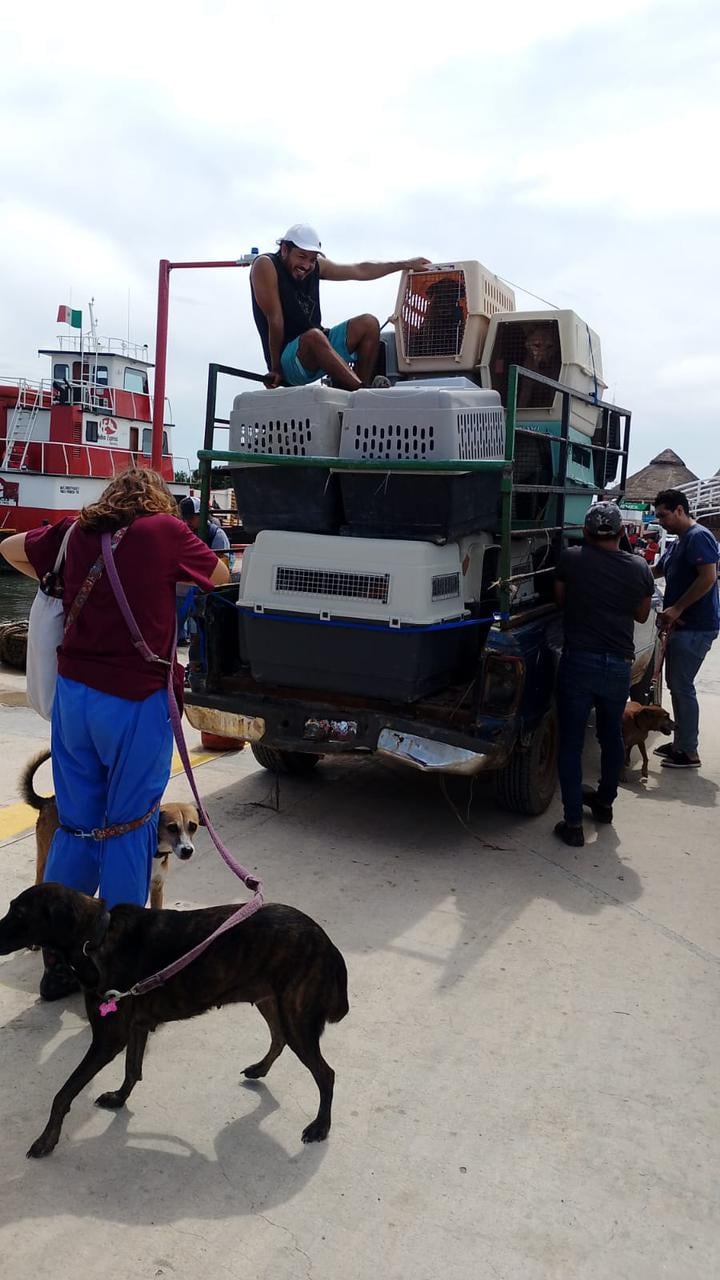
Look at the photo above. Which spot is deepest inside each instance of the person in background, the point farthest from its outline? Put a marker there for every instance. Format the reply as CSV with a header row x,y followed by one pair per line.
x,y
285,289
651,550
217,540
690,617
602,591
214,537
111,737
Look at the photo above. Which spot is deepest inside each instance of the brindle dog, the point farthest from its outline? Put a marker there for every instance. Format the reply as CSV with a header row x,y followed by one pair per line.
x,y
278,959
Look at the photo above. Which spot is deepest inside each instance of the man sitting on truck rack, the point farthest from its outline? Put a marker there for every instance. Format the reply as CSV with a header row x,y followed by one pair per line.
x,y
602,591
285,290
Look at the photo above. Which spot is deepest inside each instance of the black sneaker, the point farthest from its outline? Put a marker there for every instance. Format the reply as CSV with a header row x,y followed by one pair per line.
x,y
667,749
574,836
680,760
58,980
600,812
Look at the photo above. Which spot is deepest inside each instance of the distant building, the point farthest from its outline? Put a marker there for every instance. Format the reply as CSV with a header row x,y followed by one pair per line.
x,y
666,471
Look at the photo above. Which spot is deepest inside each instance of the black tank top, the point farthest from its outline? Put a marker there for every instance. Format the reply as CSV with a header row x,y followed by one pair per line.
x,y
300,302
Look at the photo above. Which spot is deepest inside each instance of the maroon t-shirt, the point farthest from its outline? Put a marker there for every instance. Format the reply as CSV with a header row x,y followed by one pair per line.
x,y
157,552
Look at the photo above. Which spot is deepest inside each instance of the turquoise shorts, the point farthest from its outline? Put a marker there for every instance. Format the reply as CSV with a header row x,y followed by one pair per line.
x,y
295,373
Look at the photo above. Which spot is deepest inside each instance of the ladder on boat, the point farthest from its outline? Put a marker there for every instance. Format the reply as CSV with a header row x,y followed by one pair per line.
x,y
31,399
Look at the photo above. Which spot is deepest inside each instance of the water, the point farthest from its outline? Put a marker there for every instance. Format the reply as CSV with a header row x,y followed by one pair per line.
x,y
16,596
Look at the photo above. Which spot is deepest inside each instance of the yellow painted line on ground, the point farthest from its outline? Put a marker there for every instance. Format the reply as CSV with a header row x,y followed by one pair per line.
x,y
17,818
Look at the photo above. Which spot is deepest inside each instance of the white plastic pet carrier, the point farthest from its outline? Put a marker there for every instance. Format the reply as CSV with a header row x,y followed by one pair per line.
x,y
397,583
417,421
301,422
556,344
441,316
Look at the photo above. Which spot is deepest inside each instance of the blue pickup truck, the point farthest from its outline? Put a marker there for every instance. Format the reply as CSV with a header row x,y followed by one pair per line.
x,y
303,685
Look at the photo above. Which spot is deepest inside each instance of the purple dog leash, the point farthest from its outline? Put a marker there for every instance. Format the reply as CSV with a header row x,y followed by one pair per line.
x,y
252,882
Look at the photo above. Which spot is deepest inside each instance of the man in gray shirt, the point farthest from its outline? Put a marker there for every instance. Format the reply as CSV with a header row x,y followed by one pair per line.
x,y
602,591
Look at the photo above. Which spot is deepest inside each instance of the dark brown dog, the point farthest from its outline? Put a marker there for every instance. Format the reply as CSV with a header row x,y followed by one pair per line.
x,y
177,825
638,722
278,959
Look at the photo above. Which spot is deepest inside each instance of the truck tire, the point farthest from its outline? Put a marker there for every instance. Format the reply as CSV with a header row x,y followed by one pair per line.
x,y
527,782
298,763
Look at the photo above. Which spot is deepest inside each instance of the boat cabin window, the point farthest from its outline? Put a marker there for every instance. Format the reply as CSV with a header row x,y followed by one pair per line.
x,y
100,375
147,441
532,344
61,372
91,431
135,380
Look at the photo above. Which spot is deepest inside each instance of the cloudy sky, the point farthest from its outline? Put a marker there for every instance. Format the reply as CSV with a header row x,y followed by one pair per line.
x,y
567,147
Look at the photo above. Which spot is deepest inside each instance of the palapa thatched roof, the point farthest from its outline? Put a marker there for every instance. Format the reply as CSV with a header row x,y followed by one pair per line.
x,y
666,471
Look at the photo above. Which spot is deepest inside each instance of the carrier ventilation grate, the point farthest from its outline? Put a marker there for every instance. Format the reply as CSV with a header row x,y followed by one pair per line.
x,y
445,586
434,314
333,582
288,437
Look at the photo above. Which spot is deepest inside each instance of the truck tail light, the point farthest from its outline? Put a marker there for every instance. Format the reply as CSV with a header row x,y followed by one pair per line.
x,y
502,684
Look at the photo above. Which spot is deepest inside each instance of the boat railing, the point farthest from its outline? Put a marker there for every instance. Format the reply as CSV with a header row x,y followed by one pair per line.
x,y
91,454
35,397
105,346
97,397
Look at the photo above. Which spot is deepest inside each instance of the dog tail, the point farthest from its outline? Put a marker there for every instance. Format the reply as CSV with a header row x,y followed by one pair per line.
x,y
337,1005
27,790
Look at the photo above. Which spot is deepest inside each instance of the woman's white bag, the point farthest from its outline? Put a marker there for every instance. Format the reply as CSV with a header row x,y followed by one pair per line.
x,y
45,635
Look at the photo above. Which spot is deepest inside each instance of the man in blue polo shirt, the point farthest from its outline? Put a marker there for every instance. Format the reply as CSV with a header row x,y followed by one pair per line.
x,y
691,614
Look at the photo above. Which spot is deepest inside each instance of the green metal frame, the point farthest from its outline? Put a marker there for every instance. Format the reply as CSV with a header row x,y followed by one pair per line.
x,y
207,456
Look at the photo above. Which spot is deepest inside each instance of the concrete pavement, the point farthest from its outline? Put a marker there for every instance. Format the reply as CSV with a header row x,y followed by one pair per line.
x,y
526,1081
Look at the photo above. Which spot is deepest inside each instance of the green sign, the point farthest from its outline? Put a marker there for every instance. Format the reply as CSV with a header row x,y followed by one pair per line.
x,y
633,506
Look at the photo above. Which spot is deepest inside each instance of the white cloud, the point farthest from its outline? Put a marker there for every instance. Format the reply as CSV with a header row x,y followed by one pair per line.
x,y
698,373
568,147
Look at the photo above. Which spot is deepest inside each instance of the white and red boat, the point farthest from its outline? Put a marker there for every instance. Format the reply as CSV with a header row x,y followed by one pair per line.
x,y
63,438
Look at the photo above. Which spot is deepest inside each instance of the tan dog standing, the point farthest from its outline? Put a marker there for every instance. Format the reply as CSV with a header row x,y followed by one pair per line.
x,y
638,722
177,825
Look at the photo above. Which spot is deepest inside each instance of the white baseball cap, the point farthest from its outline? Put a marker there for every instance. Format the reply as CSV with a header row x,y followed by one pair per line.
x,y
303,237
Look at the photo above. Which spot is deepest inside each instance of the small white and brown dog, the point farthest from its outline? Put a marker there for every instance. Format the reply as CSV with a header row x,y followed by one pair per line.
x,y
176,828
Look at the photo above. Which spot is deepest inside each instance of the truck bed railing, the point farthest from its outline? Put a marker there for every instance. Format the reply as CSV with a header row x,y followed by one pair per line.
x,y
614,423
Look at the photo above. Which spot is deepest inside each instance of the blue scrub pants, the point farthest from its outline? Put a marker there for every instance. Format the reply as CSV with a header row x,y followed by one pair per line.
x,y
111,763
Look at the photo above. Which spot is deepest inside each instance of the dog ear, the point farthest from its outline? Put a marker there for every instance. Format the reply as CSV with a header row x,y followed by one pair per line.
x,y
201,819
644,719
58,914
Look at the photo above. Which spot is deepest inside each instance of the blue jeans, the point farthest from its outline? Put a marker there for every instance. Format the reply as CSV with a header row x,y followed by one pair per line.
x,y
686,652
111,763
585,680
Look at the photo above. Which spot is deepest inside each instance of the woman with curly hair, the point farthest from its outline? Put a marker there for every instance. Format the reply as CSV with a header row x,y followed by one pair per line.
x,y
111,736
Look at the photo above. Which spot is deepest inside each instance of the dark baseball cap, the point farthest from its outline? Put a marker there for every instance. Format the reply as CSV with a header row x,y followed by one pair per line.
x,y
189,507
603,520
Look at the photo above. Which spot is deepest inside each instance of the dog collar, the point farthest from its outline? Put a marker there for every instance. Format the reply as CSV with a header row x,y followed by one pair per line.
x,y
98,934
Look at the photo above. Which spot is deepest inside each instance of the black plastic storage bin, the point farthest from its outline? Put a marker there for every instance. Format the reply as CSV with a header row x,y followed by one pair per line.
x,y
400,665
300,499
414,505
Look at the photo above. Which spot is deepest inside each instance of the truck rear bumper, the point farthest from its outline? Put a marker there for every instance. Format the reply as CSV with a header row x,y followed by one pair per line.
x,y
430,756
323,730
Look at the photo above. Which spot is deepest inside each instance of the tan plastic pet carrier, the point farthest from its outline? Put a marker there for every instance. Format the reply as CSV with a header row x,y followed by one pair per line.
x,y
442,316
556,344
